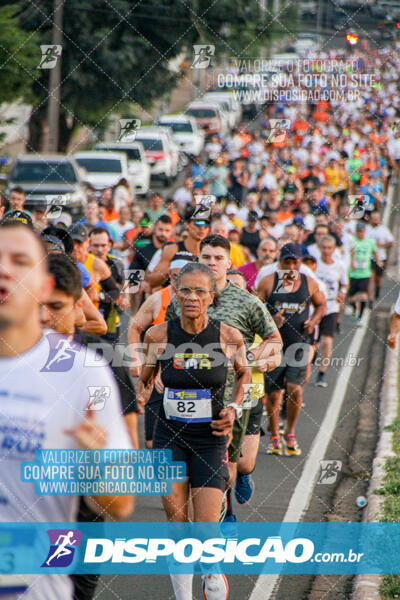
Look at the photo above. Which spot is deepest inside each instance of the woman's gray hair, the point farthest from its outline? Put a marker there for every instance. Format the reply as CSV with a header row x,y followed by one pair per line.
x,y
199,268
327,238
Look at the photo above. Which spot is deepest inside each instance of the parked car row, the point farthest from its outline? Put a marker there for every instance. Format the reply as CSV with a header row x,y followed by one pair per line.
x,y
158,151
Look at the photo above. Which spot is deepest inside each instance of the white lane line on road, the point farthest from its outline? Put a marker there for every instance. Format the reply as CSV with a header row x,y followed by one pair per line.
x,y
301,496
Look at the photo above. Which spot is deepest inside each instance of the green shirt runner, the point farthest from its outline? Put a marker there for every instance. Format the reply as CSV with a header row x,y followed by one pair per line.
x,y
363,252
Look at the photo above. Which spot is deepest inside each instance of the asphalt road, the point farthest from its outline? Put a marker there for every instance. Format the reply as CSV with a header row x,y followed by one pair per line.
x,y
276,478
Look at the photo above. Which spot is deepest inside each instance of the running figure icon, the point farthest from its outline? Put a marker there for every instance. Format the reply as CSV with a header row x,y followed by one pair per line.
x,y
62,542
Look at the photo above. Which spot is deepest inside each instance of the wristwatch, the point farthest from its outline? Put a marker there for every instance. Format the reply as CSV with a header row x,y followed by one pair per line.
x,y
238,409
250,356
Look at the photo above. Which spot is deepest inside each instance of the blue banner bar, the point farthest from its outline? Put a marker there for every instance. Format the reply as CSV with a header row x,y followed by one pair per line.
x,y
252,548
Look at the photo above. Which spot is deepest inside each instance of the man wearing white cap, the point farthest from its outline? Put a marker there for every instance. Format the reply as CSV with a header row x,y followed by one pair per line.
x,y
232,221
152,312
64,219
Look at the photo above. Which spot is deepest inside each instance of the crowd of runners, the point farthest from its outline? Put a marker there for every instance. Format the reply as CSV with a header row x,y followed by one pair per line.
x,y
236,287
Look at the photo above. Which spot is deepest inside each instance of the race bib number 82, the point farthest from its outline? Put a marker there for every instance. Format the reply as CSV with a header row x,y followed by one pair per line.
x,y
188,406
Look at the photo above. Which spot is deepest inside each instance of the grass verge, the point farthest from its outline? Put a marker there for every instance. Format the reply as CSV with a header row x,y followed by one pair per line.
x,y
390,586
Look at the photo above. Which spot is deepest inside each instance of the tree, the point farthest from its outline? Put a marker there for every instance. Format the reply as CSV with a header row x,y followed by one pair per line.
x,y
117,53
18,58
18,63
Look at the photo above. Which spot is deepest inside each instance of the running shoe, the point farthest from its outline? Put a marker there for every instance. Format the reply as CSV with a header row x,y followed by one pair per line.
x,y
292,447
320,382
371,305
215,587
275,446
244,488
282,427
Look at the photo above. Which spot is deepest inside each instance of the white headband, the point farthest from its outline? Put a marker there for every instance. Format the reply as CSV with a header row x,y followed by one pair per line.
x,y
179,263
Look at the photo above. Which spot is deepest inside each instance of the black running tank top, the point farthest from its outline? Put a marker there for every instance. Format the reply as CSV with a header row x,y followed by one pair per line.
x,y
251,239
296,307
195,361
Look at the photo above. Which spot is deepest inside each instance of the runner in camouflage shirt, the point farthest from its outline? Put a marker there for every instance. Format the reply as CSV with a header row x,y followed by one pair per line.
x,y
238,308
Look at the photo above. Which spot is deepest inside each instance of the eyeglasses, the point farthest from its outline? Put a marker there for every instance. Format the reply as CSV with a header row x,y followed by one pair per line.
x,y
201,223
185,292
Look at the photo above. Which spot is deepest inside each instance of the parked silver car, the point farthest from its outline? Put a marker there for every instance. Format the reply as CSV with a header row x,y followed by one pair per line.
x,y
47,176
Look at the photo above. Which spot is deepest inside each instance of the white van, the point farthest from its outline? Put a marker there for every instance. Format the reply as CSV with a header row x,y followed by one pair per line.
x,y
188,136
138,166
229,105
161,152
103,169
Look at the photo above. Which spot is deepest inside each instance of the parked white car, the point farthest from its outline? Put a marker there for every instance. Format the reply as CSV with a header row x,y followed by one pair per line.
x,y
161,151
48,175
233,106
209,116
187,135
306,43
103,169
138,166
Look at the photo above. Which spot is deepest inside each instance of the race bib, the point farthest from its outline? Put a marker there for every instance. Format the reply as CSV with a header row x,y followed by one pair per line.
x,y
252,393
188,406
13,584
361,264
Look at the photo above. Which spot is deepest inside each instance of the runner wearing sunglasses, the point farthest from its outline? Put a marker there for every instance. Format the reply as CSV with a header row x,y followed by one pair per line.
x,y
197,230
193,421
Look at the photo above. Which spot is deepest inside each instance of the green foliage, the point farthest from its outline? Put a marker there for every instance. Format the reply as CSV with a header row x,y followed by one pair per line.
x,y
18,60
390,587
115,54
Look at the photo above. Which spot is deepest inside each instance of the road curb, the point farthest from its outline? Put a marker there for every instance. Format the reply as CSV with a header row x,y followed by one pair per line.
x,y
366,587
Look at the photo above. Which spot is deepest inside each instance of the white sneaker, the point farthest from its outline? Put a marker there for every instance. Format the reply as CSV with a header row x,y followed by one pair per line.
x,y
215,587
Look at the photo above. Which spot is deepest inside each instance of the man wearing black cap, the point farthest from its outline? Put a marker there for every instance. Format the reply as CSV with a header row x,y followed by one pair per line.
x,y
289,295
57,239
251,234
197,230
18,215
161,233
100,272
39,215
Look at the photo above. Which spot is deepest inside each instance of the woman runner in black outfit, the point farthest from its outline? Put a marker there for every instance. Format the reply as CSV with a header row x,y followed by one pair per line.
x,y
193,422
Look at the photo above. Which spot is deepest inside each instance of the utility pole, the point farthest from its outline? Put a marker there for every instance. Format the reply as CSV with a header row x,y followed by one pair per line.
x,y
53,113
319,15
